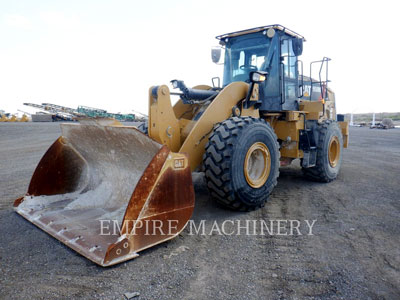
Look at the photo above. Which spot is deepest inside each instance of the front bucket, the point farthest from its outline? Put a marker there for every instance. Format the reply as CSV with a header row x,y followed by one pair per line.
x,y
109,192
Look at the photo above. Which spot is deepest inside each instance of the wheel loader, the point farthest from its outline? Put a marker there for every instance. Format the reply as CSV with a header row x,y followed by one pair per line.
x,y
264,115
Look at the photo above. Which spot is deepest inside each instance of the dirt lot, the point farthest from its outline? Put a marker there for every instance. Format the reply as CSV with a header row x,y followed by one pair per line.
x,y
353,254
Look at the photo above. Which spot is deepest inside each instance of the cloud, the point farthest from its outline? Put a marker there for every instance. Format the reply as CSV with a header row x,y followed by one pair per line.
x,y
59,20
17,21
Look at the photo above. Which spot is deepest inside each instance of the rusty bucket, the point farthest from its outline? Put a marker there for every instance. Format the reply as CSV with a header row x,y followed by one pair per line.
x,y
109,192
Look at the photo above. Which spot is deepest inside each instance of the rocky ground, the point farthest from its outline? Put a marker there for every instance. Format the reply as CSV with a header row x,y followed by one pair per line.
x,y
353,253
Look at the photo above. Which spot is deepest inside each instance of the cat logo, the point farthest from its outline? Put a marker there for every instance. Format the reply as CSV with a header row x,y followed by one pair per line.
x,y
179,163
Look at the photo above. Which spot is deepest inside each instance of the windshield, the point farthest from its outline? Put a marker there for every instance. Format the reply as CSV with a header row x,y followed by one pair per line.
x,y
244,54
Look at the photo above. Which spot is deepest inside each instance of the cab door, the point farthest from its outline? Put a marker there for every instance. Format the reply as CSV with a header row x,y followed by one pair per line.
x,y
289,75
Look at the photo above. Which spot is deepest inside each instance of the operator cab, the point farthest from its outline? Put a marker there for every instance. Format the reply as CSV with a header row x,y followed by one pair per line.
x,y
273,50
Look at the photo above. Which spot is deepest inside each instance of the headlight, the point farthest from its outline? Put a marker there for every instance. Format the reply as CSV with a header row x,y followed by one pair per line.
x,y
258,76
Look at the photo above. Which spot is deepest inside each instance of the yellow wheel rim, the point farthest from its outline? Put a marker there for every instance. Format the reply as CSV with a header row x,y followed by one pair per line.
x,y
334,151
257,165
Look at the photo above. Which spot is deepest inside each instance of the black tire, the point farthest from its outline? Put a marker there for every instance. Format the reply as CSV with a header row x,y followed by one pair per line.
x,y
323,170
143,127
224,158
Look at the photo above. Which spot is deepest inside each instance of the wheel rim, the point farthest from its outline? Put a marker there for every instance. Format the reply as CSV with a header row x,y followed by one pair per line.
x,y
334,151
257,165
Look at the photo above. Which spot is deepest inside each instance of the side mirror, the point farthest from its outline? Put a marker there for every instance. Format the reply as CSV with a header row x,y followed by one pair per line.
x,y
297,45
215,54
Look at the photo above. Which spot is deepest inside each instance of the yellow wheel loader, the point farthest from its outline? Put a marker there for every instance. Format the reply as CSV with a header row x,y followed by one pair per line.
x,y
97,177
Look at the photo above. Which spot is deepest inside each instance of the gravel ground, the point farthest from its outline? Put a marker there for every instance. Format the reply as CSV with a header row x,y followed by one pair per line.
x,y
353,253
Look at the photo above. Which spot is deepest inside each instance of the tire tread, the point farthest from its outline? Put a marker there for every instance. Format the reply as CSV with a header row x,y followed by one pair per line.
x,y
217,156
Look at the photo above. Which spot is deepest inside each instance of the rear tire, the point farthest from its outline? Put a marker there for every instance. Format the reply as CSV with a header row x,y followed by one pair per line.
x,y
329,153
241,163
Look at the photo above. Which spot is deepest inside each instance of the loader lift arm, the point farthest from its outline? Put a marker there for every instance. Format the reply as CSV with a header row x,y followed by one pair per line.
x,y
167,128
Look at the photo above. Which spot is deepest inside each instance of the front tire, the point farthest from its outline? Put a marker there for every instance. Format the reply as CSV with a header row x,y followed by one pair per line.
x,y
241,163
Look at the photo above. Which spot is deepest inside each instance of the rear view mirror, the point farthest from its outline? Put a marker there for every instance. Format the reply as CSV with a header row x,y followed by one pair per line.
x,y
216,54
297,45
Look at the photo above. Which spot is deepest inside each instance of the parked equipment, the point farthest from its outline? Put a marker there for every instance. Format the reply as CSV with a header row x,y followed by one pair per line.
x,y
63,113
238,134
386,123
3,116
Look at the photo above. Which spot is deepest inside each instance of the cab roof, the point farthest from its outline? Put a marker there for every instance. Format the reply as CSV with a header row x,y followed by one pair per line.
x,y
262,28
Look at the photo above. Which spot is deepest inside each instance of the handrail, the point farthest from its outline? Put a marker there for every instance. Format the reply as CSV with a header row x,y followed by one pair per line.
x,y
325,59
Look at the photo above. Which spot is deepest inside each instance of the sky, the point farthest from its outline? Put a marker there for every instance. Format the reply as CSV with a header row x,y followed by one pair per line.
x,y
107,54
